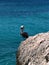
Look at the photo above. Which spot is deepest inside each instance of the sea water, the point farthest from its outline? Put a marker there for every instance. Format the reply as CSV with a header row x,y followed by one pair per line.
x,y
33,14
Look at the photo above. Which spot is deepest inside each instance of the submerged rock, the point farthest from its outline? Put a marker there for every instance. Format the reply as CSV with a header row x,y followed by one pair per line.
x,y
34,50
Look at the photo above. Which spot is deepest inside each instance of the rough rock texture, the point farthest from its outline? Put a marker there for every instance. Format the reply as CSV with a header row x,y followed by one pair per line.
x,y
34,50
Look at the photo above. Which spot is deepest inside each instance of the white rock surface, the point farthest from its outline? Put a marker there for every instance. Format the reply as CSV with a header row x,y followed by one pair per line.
x,y
34,50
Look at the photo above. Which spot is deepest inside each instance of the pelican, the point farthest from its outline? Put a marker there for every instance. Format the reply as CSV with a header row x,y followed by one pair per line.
x,y
24,34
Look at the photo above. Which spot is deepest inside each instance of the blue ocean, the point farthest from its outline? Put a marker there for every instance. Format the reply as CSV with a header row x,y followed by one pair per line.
x,y
33,14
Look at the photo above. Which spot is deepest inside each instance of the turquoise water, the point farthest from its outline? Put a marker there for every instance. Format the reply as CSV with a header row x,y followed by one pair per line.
x,y
34,16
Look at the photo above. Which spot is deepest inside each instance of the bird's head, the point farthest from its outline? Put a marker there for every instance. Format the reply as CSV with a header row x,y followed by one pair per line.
x,y
22,27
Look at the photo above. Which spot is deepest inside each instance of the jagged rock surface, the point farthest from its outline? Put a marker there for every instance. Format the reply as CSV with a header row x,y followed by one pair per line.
x,y
34,50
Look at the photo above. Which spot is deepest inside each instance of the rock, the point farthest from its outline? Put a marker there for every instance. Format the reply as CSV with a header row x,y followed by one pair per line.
x,y
34,50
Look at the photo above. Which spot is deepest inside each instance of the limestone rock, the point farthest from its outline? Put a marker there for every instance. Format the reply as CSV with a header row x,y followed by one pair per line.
x,y
34,50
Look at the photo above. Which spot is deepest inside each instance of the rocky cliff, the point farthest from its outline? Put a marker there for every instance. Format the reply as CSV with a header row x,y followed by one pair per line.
x,y
34,50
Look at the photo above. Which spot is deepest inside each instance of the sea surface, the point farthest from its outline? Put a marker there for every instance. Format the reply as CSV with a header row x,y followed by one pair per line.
x,y
33,14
